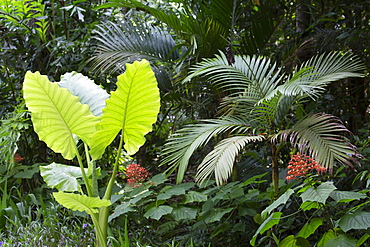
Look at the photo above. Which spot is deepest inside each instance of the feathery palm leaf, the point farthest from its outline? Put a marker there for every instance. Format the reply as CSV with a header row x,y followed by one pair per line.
x,y
320,136
126,42
200,25
272,112
251,76
315,74
183,144
221,159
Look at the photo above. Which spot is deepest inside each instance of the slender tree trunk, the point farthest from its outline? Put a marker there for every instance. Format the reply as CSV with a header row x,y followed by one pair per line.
x,y
302,16
275,170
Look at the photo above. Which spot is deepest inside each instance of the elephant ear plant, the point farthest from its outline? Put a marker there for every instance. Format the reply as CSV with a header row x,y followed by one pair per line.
x,y
75,112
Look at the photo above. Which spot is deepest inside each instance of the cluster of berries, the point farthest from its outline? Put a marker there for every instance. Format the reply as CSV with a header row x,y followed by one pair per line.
x,y
300,165
135,174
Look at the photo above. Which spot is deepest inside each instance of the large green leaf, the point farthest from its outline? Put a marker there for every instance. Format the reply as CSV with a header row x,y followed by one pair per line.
x,y
80,203
215,214
310,227
88,92
57,115
319,194
121,209
184,213
346,196
157,212
292,241
358,220
132,108
62,177
326,238
194,196
343,240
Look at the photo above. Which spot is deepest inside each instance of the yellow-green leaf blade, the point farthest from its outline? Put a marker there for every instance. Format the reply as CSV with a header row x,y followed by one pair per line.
x,y
80,203
133,108
57,115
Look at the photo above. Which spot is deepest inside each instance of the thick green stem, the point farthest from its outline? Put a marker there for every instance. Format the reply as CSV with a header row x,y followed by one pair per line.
x,y
104,211
101,238
85,178
94,178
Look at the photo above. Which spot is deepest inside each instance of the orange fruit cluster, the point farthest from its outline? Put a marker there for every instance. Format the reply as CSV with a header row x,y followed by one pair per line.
x,y
300,165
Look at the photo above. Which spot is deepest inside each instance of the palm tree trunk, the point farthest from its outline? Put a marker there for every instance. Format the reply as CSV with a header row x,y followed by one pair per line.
x,y
275,170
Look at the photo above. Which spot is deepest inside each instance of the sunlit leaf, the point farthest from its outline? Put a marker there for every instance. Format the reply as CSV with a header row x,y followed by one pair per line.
x,y
132,108
57,115
80,203
310,227
86,90
62,177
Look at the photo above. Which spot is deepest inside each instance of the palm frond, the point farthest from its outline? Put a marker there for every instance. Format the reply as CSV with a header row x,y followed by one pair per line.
x,y
273,111
203,26
321,137
181,146
220,160
254,77
315,74
126,42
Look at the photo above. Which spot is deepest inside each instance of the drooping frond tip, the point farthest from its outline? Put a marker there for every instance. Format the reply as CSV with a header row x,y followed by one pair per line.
x,y
322,137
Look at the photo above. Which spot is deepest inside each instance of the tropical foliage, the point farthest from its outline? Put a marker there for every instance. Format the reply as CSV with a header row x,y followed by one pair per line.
x,y
61,116
258,106
184,123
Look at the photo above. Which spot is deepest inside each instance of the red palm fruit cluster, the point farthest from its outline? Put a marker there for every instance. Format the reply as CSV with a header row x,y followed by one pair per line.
x,y
135,174
300,165
18,158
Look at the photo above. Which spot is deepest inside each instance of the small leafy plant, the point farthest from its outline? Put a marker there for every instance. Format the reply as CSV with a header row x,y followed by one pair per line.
x,y
75,114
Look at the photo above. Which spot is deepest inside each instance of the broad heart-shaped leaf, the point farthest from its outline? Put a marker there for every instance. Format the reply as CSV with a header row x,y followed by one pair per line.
x,y
326,238
121,209
292,241
310,227
182,213
358,220
346,196
57,115
81,203
86,90
319,194
157,212
343,240
133,108
62,177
